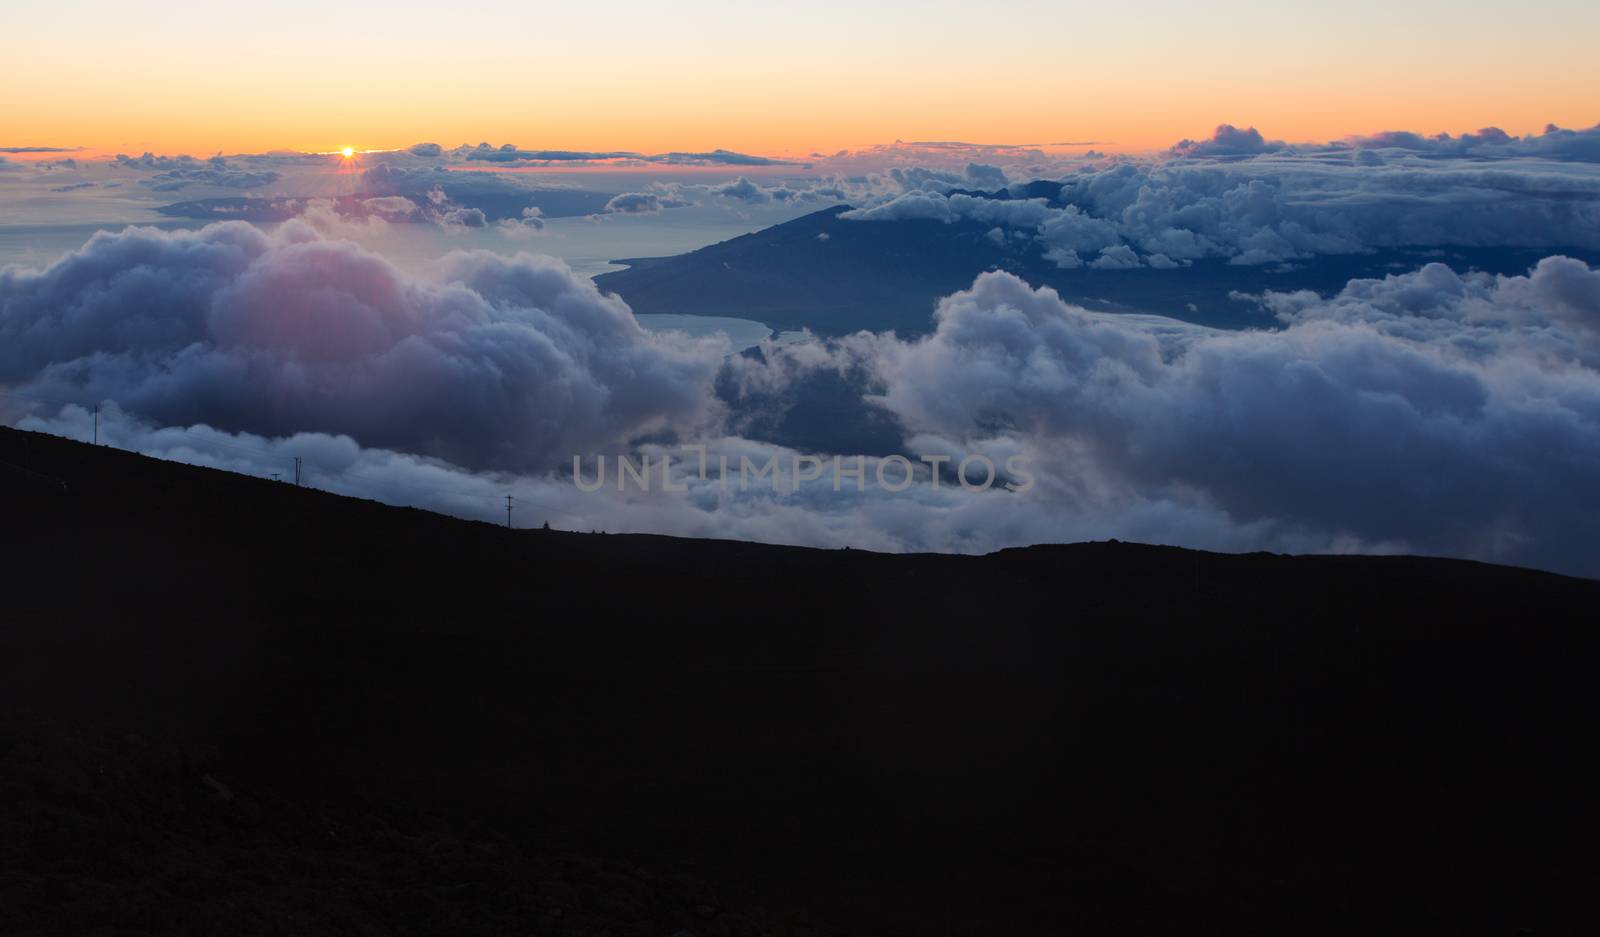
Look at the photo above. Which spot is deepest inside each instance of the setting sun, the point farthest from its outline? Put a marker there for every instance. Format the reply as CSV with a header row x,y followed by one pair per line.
x,y
348,151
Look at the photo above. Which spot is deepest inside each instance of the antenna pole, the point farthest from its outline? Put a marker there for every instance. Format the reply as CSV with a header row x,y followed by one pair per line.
x,y
509,499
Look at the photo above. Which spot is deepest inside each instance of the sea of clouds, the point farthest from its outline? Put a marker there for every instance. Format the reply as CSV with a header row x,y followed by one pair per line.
x,y
1434,410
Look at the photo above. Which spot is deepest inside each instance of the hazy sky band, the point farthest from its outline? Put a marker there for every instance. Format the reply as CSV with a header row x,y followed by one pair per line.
x,y
187,76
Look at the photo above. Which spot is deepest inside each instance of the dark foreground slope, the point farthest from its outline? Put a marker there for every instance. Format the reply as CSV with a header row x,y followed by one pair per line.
x,y
233,706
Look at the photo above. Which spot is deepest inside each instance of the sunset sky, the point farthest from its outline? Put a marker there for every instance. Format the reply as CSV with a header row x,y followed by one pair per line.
x,y
186,76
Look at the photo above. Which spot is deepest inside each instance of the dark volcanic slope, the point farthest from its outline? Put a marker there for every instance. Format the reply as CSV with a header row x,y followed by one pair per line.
x,y
1120,738
836,276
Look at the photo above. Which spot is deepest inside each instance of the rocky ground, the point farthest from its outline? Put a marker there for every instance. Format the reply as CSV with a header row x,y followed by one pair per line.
x,y
119,835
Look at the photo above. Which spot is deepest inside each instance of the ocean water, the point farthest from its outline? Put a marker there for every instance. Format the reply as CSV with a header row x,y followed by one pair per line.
x,y
587,245
743,333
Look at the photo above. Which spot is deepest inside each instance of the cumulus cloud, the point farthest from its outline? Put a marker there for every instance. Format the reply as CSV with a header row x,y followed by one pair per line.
x,y
1490,143
494,362
959,207
426,150
172,173
529,223
926,179
635,203
744,190
390,206
678,194
983,175
1553,312
1270,209
1430,412
463,218
950,159
1555,143
1229,141
389,179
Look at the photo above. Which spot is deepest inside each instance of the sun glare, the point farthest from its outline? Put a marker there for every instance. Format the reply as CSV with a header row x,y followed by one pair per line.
x,y
348,151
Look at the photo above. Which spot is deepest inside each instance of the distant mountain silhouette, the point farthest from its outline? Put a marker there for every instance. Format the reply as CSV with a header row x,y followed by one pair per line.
x,y
836,276
228,700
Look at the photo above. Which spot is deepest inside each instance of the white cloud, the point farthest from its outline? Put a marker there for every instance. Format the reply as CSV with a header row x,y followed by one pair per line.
x,y
1277,208
490,361
1434,411
1456,417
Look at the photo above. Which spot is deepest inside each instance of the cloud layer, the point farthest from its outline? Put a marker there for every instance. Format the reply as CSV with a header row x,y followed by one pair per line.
x,y
1436,410
490,362
1430,411
1269,208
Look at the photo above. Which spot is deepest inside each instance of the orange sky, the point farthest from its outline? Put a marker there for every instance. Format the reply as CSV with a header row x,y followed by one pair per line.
x,y
199,78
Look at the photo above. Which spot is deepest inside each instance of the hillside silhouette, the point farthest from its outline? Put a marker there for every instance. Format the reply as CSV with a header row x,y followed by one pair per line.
x,y
233,705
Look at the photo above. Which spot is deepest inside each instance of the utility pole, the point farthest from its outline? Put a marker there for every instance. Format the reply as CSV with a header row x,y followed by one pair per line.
x,y
297,470
509,499
97,424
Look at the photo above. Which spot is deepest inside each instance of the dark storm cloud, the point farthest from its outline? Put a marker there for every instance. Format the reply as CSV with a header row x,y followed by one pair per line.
x,y
494,362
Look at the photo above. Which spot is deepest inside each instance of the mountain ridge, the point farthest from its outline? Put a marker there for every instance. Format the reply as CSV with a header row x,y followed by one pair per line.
x,y
837,276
